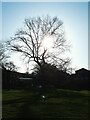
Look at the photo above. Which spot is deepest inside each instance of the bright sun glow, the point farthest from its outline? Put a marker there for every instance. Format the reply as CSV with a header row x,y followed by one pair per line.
x,y
47,42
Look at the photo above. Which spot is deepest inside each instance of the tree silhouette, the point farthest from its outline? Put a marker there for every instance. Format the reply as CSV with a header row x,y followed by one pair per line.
x,y
4,63
3,56
10,66
29,41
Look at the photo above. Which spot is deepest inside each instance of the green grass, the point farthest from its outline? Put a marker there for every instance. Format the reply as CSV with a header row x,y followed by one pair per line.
x,y
57,104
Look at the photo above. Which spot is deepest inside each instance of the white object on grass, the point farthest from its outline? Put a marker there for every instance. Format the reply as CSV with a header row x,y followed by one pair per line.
x,y
43,96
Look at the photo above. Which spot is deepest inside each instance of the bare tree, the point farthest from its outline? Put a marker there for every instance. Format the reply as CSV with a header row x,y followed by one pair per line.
x,y
29,41
10,66
4,62
2,54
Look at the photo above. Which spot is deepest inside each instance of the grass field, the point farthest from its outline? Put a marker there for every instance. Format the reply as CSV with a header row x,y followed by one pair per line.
x,y
57,104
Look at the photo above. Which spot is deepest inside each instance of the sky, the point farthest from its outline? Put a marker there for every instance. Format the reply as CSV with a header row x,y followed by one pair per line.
x,y
44,0
88,35
73,14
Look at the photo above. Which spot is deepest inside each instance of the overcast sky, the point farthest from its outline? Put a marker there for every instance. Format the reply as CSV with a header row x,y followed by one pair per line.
x,y
73,14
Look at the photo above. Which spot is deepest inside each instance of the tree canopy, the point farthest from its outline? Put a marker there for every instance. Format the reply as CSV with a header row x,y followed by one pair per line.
x,y
29,41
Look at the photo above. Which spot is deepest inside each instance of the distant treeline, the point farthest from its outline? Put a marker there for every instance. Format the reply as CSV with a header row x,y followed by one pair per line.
x,y
46,79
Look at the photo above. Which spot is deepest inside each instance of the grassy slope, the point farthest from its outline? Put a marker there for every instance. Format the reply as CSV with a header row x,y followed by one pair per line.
x,y
57,104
